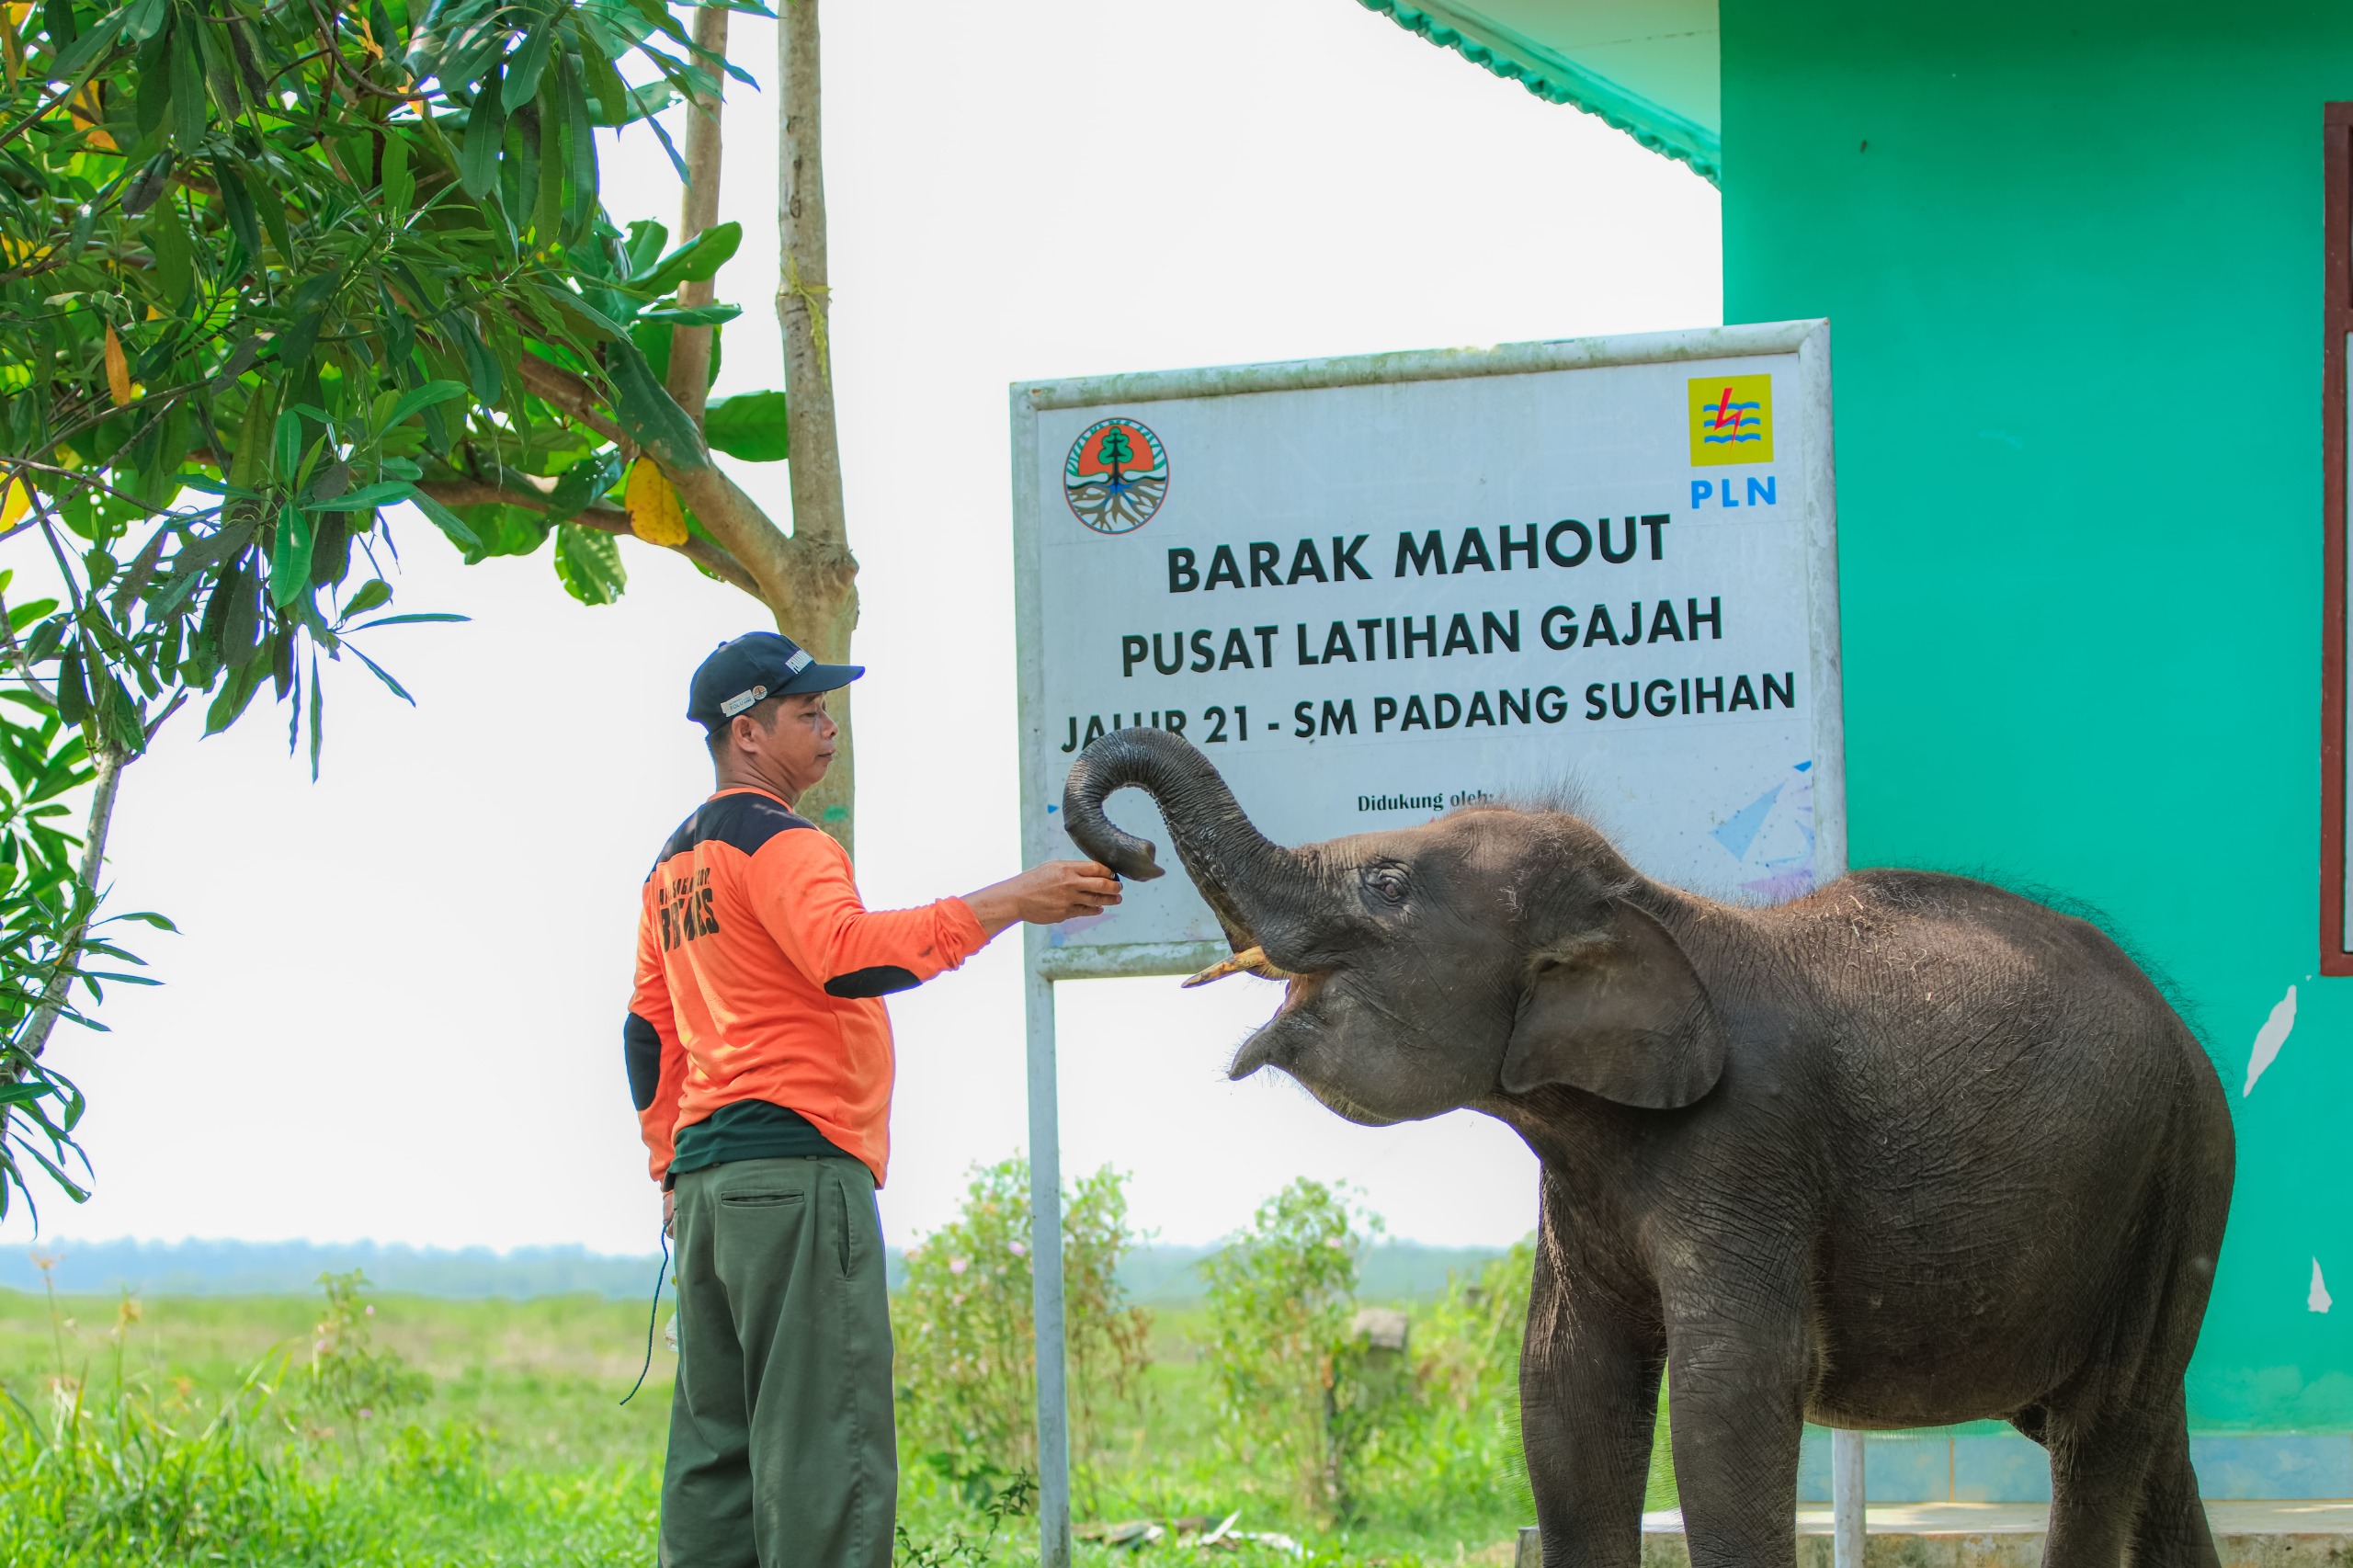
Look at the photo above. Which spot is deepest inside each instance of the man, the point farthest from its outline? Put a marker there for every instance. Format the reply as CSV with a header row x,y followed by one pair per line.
x,y
759,1059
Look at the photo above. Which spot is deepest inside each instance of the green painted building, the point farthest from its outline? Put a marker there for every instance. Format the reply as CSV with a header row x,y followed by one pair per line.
x,y
2082,295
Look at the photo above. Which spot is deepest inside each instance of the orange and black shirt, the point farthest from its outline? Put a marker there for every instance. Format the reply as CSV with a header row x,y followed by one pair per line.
x,y
758,1027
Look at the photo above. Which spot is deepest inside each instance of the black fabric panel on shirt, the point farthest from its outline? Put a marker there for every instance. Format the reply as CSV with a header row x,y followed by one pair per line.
x,y
749,1130
641,1051
880,981
747,820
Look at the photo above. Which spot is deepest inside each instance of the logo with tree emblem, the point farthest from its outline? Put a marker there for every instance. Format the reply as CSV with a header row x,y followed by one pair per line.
x,y
1117,476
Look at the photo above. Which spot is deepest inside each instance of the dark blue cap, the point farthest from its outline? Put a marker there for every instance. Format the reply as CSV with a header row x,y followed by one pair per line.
x,y
754,668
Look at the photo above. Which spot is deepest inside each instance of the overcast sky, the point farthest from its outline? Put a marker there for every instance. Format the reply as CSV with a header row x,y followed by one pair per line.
x,y
394,1009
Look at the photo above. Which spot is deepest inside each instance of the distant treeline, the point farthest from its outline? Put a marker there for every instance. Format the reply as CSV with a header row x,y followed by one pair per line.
x,y
1154,1276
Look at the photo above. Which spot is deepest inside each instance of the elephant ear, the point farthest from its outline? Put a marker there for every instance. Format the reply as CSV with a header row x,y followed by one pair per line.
x,y
1624,1017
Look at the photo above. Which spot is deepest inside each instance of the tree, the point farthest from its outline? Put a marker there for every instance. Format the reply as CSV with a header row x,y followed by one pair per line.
x,y
271,267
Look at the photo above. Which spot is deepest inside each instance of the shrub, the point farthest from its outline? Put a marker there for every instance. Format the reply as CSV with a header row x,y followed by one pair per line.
x,y
1282,1303
967,1352
349,1377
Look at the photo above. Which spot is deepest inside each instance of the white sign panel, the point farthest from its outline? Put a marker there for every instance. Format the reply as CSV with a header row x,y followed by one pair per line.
x,y
1372,590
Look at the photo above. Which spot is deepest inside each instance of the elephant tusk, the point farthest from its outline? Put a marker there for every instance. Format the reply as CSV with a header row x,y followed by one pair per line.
x,y
1250,961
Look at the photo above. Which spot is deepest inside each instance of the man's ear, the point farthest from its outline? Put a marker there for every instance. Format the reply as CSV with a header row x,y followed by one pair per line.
x,y
1625,1017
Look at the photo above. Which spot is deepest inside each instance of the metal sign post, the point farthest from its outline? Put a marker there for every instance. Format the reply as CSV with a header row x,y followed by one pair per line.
x,y
1374,589
1046,1271
1845,1499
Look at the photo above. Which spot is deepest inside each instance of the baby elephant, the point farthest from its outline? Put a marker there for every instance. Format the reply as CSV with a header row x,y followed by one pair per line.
x,y
1908,1150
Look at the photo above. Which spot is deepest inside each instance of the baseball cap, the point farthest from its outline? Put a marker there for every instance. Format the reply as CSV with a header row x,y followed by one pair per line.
x,y
754,668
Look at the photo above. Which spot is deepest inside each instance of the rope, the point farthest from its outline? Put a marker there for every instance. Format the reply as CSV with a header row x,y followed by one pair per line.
x,y
651,1313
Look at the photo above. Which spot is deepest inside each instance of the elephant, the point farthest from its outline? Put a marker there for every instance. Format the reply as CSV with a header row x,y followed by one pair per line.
x,y
1908,1150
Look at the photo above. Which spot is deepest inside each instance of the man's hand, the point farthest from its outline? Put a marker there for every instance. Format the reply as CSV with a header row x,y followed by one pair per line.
x,y
669,1208
1045,894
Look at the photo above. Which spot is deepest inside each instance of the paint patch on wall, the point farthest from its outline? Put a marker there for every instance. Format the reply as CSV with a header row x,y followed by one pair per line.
x,y
2318,1299
2267,1041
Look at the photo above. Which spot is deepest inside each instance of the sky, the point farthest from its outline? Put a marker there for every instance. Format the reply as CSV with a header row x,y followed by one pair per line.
x,y
393,1009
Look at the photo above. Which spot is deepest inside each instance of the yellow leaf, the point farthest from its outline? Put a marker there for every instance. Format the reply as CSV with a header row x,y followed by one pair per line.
x,y
87,106
16,500
654,515
118,369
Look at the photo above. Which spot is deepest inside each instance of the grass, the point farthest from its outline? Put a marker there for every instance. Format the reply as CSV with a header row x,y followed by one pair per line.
x,y
184,1434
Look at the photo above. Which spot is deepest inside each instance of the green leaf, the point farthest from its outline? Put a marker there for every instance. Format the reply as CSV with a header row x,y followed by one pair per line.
x,y
236,693
692,315
611,91
382,674
167,239
424,396
368,498
649,415
372,592
589,564
696,261
750,426
141,18
189,105
481,366
485,130
449,522
575,488
411,619
289,556
523,68
238,203
398,187
287,444
646,238
601,326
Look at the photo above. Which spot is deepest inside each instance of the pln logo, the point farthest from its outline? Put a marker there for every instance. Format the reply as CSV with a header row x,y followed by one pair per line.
x,y
1117,476
1731,419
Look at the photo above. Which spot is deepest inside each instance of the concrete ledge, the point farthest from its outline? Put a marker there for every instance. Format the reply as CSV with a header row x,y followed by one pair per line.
x,y
1951,1467
2294,1534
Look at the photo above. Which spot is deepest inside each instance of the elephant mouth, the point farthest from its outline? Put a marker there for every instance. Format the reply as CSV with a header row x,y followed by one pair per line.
x,y
1277,1041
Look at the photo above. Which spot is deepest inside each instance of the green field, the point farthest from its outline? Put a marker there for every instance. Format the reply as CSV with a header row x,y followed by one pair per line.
x,y
201,1436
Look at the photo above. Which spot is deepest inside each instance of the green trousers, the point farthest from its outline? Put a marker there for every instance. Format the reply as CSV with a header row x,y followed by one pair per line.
x,y
782,1453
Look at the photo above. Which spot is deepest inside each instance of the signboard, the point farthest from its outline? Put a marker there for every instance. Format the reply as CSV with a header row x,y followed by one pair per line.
x,y
1371,590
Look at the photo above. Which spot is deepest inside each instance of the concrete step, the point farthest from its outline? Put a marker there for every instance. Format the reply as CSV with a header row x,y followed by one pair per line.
x,y
2317,1534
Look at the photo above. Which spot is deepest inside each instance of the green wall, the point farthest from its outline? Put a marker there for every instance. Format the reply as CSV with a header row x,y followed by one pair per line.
x,y
2075,289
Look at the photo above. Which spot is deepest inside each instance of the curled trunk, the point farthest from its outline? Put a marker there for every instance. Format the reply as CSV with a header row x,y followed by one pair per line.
x,y
1262,893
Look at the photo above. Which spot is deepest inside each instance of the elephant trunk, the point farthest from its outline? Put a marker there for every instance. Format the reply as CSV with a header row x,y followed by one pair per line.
x,y
1262,893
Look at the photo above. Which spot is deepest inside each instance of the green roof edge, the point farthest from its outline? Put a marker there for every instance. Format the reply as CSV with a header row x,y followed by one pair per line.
x,y
1558,80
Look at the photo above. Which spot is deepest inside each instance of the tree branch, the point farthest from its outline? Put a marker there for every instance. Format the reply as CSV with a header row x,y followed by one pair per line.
x,y
109,761
575,397
602,516
24,666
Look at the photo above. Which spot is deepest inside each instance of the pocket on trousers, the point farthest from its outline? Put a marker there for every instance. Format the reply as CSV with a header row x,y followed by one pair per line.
x,y
758,1199
842,1238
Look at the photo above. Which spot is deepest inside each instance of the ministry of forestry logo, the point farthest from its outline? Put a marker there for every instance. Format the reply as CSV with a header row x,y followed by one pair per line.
x,y
1117,476
1731,419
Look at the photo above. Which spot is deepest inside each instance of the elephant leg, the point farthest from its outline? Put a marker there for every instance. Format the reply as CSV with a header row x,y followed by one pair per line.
x,y
2098,1469
1589,1400
1736,1402
2170,1531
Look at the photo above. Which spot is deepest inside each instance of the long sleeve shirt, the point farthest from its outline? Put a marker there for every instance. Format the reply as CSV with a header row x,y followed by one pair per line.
x,y
760,976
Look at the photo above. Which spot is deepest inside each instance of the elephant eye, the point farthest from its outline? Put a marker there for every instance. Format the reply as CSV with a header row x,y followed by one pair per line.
x,y
1386,884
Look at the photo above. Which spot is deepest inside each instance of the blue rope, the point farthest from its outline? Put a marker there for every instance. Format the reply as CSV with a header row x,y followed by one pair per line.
x,y
651,1313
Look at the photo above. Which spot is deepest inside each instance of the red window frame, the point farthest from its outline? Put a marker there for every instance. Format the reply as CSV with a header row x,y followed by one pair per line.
x,y
2337,258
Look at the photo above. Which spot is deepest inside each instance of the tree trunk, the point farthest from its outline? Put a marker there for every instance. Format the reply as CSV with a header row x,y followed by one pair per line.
x,y
820,593
690,346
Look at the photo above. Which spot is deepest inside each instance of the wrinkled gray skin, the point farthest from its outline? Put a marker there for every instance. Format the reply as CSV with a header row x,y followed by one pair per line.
x,y
1908,1150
